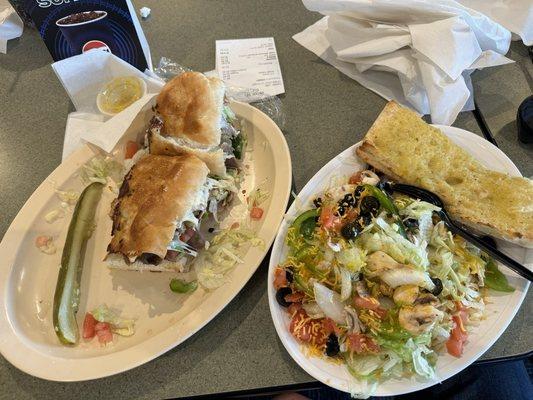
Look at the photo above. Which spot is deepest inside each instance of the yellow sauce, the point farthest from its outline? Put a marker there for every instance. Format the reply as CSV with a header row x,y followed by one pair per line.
x,y
120,93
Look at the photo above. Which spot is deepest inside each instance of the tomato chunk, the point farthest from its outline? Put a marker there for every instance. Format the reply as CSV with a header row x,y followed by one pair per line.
x,y
295,297
462,311
458,337
294,308
308,330
131,148
104,336
42,240
327,218
356,178
256,213
360,343
280,278
369,303
297,326
187,235
454,347
89,324
330,327
102,326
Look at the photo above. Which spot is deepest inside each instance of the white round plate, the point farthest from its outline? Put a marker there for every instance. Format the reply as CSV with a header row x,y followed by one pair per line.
x,y
500,310
163,319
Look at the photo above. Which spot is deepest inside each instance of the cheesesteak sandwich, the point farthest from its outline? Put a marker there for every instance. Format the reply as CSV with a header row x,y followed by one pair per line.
x,y
193,117
157,215
404,147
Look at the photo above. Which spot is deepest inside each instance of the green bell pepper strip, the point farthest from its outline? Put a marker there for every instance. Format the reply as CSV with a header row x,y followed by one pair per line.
x,y
307,228
301,255
301,285
386,203
180,286
303,217
495,279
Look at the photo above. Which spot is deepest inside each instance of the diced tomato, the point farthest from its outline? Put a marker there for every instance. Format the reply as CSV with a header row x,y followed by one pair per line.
x,y
330,327
369,303
295,297
294,308
187,235
356,178
462,311
454,347
102,326
360,343
104,336
327,219
89,324
42,240
131,148
103,332
458,332
381,312
458,337
256,213
307,330
280,278
296,322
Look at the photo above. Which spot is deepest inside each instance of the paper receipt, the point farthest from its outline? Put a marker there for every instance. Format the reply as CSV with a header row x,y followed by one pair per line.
x,y
251,64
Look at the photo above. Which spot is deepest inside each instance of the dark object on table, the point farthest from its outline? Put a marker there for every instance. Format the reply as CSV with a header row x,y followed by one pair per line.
x,y
432,198
524,121
69,28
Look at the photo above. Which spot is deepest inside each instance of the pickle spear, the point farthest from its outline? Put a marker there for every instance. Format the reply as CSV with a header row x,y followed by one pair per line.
x,y
67,295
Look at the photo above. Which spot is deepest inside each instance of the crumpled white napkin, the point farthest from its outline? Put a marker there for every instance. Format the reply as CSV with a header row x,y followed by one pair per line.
x,y
515,15
418,52
11,25
82,77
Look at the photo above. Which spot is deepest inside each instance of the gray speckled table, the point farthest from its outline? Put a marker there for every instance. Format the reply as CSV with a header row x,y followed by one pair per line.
x,y
325,113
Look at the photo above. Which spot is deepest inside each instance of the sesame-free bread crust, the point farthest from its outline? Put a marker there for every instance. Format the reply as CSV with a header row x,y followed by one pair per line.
x,y
166,145
191,107
410,151
157,191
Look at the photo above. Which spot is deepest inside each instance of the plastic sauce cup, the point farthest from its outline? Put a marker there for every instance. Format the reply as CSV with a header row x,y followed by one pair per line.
x,y
119,94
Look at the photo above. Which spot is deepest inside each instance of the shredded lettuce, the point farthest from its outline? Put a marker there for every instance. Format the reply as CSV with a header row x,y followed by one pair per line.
x,y
363,389
363,365
53,215
417,209
352,258
411,253
229,115
99,169
257,197
69,197
421,364
224,253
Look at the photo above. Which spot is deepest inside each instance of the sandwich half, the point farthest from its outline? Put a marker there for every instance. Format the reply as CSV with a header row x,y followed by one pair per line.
x,y
157,214
193,117
401,145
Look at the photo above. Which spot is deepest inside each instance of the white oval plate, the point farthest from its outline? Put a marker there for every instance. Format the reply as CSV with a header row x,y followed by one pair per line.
x,y
500,310
163,319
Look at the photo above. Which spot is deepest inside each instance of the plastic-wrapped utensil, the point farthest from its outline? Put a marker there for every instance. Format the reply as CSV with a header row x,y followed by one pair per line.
x,y
432,198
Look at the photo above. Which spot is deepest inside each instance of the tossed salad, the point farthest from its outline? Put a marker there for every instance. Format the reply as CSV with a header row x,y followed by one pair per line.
x,y
376,281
